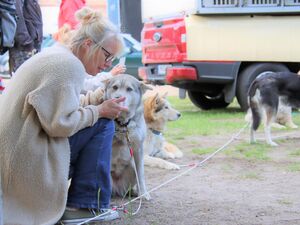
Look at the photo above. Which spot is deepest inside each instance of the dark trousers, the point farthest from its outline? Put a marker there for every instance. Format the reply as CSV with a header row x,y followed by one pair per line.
x,y
90,166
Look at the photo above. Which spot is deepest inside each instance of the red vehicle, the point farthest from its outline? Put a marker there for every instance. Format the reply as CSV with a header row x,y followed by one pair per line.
x,y
214,49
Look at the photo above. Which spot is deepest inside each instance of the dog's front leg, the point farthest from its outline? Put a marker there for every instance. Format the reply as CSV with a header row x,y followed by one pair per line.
x,y
139,163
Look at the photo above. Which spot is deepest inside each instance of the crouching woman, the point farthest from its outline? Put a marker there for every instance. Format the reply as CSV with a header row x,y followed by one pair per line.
x,y
46,137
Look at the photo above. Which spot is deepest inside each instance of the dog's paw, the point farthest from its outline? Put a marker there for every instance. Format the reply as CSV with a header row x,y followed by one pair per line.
x,y
169,155
165,155
147,196
273,144
278,126
252,140
171,166
292,125
178,154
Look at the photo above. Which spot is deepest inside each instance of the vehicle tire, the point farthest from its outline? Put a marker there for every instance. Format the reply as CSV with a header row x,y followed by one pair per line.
x,y
246,77
206,102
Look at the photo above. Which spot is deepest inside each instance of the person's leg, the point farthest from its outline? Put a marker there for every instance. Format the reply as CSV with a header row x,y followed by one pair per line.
x,y
90,166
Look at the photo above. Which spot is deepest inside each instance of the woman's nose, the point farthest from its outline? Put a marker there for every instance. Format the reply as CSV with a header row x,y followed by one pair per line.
x,y
108,64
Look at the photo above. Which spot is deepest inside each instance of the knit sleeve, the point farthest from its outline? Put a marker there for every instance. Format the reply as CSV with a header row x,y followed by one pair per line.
x,y
92,97
59,112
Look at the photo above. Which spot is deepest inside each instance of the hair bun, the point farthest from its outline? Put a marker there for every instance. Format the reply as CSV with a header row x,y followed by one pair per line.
x,y
87,15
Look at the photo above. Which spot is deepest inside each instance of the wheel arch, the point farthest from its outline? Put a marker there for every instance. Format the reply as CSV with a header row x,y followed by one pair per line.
x,y
249,71
231,89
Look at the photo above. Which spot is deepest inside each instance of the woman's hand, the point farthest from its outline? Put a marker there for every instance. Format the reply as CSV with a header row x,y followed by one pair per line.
x,y
111,109
118,69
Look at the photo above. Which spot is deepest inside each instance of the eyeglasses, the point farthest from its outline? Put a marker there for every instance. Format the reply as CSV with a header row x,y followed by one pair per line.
x,y
108,56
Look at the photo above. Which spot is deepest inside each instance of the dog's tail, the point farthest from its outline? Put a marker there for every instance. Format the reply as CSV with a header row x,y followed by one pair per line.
x,y
253,100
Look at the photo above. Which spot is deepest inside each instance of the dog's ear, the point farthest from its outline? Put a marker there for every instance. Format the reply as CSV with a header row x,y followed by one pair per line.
x,y
156,99
149,107
144,87
107,84
165,95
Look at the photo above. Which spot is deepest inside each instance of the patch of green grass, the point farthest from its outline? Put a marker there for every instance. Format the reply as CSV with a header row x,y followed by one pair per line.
x,y
296,117
250,151
295,153
227,168
294,167
284,202
203,151
250,175
198,122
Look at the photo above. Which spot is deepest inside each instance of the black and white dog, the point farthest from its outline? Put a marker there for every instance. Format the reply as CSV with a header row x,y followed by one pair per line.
x,y
264,95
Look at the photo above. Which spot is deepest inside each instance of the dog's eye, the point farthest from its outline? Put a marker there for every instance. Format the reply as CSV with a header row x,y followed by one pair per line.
x,y
166,107
115,87
129,89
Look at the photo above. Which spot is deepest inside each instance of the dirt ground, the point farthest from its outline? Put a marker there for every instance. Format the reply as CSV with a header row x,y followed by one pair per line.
x,y
223,190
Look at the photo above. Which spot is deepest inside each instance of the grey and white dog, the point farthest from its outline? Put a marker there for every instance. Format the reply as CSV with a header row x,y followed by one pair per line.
x,y
266,93
130,134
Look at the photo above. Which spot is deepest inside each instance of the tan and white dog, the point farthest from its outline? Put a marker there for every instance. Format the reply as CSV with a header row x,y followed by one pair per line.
x,y
157,112
127,149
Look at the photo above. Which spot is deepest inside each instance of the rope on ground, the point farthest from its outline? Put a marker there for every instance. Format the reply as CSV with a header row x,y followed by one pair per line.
x,y
192,167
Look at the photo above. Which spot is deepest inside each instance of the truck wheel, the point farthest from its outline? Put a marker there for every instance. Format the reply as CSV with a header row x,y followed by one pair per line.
x,y
249,74
204,101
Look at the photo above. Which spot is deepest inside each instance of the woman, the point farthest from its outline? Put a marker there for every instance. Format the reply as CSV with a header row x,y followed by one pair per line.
x,y
46,136
64,36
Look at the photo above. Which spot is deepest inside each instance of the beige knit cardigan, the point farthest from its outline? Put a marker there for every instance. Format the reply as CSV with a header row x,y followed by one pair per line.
x,y
39,110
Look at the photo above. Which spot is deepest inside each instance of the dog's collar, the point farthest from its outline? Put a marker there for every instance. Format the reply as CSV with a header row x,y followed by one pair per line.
x,y
122,125
156,132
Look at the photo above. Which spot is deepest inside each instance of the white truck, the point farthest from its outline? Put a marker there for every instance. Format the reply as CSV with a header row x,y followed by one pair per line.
x,y
213,49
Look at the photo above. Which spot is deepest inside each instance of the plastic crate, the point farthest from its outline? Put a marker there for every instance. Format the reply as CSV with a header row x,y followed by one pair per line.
x,y
261,3
292,2
228,7
219,3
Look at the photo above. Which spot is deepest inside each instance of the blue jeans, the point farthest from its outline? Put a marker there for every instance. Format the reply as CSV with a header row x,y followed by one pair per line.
x,y
90,166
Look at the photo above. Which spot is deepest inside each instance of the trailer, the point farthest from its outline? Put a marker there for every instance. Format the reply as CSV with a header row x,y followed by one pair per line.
x,y
214,49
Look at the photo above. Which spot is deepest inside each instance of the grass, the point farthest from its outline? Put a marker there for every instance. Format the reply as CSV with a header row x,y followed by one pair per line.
x,y
259,151
285,202
196,122
203,151
295,153
294,167
250,176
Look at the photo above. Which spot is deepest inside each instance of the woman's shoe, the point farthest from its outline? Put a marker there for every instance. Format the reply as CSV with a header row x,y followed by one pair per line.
x,y
81,215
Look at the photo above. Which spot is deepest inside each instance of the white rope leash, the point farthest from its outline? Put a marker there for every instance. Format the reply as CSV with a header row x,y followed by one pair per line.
x,y
195,165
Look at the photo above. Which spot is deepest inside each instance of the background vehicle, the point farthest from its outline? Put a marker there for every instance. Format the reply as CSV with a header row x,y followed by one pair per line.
x,y
132,53
214,49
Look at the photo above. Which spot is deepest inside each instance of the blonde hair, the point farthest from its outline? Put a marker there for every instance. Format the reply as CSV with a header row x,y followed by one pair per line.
x,y
96,28
64,34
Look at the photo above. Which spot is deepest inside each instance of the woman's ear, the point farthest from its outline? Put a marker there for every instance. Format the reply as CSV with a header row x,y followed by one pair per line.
x,y
87,43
